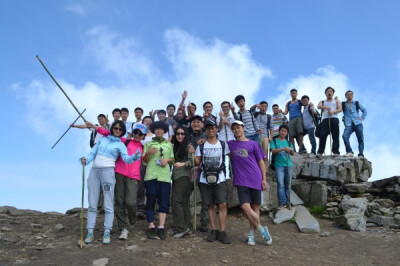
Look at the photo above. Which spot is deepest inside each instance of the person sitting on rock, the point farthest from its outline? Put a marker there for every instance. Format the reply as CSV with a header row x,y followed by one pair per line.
x,y
281,148
250,179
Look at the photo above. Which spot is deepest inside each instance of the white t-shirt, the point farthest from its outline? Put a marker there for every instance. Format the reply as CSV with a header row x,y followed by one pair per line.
x,y
213,158
221,133
128,125
169,133
147,139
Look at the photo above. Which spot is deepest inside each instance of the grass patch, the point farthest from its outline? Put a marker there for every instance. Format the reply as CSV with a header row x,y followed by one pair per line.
x,y
293,220
317,210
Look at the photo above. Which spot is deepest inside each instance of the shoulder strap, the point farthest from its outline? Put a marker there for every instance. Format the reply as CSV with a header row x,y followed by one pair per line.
x,y
322,110
299,101
357,106
127,142
268,120
240,116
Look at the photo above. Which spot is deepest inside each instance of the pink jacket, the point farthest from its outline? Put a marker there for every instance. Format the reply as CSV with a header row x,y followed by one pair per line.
x,y
129,170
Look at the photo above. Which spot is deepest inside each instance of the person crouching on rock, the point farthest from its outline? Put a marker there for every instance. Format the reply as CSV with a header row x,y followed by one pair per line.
x,y
158,156
104,155
280,149
127,177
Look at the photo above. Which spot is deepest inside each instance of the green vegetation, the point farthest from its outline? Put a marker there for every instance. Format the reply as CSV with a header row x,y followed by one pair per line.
x,y
317,211
293,220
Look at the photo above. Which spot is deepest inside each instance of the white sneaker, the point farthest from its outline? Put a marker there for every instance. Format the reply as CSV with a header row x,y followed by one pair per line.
x,y
124,234
349,154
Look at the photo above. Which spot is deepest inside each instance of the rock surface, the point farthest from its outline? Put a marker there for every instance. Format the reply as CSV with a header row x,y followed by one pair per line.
x,y
305,221
284,215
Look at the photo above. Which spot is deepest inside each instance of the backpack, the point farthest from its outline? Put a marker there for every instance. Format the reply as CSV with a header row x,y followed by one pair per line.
x,y
212,175
93,135
272,166
252,118
315,117
357,108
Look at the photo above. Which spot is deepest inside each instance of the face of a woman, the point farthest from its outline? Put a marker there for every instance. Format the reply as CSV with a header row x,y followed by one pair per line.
x,y
159,132
180,135
117,130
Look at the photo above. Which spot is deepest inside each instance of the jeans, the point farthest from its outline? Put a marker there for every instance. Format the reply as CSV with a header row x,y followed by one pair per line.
x,y
360,138
125,198
255,137
104,178
284,183
311,135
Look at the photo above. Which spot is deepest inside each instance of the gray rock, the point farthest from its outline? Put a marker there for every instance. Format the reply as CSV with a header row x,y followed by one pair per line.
x,y
294,199
332,204
5,229
36,226
163,254
305,221
356,187
17,212
349,203
325,234
59,227
381,220
75,211
313,193
132,248
100,262
354,209
387,203
284,215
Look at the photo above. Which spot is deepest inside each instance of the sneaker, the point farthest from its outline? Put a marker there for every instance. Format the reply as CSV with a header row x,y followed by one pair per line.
x,y
349,154
161,233
280,207
311,155
319,156
250,240
181,234
124,234
223,237
267,236
303,150
106,238
289,206
203,228
151,233
89,238
361,156
336,154
212,236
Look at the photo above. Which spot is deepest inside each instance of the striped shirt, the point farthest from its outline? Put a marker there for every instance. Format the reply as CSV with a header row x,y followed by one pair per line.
x,y
250,123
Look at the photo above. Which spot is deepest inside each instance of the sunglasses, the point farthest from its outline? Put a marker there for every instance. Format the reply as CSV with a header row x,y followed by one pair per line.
x,y
161,152
138,132
117,128
180,134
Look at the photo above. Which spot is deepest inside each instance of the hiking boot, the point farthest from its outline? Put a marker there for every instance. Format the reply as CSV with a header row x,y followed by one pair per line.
x,y
181,234
303,150
212,236
124,234
203,228
223,237
361,156
349,154
161,233
289,206
250,240
151,233
106,238
265,234
89,238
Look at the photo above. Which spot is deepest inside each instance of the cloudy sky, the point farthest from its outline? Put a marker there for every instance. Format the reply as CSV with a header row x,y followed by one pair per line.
x,y
108,54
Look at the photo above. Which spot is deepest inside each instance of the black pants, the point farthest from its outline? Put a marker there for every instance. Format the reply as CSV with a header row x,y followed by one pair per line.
x,y
327,129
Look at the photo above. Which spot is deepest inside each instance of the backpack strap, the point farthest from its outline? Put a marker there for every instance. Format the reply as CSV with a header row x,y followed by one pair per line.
x,y
222,167
127,142
357,106
322,110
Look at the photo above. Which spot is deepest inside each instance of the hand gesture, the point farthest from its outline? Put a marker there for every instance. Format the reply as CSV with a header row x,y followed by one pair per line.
x,y
232,107
287,149
184,94
164,162
138,153
201,141
83,161
151,112
152,150
221,114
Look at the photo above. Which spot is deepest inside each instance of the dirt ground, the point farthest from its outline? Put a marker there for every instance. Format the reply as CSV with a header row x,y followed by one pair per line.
x,y
34,240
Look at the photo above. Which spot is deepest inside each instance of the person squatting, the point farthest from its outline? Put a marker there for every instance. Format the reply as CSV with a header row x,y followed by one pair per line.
x,y
149,162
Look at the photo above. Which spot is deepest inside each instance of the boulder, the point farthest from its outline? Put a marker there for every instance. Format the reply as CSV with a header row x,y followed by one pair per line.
x,y
353,218
356,187
313,193
284,215
386,203
305,221
381,220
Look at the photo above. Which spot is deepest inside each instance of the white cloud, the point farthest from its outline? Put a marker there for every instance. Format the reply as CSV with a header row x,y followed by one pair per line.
x,y
75,8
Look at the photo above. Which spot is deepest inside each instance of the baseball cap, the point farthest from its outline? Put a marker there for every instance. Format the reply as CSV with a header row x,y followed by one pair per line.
x,y
237,122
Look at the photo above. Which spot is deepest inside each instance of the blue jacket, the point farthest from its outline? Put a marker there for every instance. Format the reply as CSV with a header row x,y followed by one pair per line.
x,y
352,115
111,147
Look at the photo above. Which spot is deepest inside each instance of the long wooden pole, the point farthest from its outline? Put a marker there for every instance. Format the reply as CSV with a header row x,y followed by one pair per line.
x,y
68,129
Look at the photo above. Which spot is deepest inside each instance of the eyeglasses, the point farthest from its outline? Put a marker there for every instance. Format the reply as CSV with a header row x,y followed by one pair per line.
x,y
180,134
138,132
161,152
117,128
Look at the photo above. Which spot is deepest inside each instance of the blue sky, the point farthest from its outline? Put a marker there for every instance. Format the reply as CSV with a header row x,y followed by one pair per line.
x,y
110,54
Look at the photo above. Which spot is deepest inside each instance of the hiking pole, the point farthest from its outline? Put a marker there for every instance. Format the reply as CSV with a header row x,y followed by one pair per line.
x,y
330,134
83,195
68,128
195,194
230,163
290,180
48,72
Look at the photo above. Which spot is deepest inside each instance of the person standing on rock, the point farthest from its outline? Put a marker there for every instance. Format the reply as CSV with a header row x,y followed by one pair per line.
x,y
353,123
277,119
250,179
213,186
158,156
309,118
104,155
330,122
281,148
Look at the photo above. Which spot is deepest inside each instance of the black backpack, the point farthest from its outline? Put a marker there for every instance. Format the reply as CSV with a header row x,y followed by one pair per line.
x,y
357,108
272,166
315,117
252,118
93,135
207,171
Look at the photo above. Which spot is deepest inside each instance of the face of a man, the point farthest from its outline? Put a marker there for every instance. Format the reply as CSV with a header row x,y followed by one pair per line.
x,y
263,108
211,131
191,109
304,101
225,108
293,94
117,115
329,93
238,130
138,114
161,116
101,120
208,108
283,133
171,111
275,110
196,125
241,103
180,114
147,122
124,115
349,96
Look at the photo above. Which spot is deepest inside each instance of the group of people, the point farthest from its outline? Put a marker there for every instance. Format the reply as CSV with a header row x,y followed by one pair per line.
x,y
138,165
